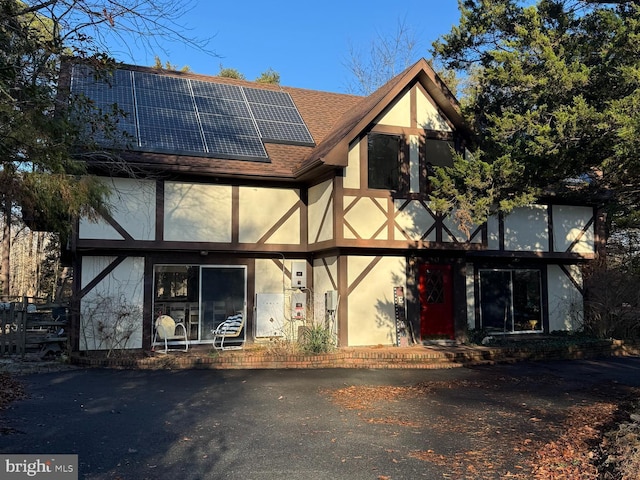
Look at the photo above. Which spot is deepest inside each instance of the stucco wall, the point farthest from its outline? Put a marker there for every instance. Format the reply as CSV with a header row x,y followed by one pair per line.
x,y
565,300
197,212
366,218
371,309
321,212
325,275
262,209
527,229
132,205
111,313
571,229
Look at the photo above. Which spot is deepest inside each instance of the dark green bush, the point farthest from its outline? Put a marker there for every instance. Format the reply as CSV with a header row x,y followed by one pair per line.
x,y
316,339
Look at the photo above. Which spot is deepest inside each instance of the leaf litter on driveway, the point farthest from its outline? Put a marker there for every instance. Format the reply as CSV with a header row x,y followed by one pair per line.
x,y
516,429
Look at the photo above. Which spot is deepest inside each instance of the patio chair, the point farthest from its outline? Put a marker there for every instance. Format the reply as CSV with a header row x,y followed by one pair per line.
x,y
167,329
231,328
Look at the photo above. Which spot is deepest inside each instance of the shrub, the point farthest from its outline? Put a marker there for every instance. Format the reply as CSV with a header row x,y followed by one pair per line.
x,y
316,339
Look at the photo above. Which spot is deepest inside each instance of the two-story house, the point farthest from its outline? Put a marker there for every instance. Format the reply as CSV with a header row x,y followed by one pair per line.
x,y
290,205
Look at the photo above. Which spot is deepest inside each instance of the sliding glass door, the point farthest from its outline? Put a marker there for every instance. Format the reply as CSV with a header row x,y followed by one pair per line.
x,y
199,296
223,292
510,300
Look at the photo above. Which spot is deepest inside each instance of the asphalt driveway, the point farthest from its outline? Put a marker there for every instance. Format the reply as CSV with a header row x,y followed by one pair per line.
x,y
306,424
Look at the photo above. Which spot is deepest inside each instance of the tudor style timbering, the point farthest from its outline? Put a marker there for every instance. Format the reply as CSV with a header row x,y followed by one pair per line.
x,y
204,233
132,214
199,213
544,228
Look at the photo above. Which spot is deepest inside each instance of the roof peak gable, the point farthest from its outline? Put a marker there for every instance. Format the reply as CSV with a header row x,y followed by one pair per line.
x,y
333,149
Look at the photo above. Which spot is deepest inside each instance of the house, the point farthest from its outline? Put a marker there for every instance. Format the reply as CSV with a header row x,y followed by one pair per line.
x,y
287,205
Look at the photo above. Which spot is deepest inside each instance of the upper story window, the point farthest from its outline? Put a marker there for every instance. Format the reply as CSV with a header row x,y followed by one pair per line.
x,y
385,160
394,164
439,152
436,153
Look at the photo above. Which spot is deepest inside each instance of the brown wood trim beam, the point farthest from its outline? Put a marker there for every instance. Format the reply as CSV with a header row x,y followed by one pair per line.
x,y
575,283
363,274
325,214
406,131
276,226
334,283
118,228
550,241
343,302
585,229
235,214
102,275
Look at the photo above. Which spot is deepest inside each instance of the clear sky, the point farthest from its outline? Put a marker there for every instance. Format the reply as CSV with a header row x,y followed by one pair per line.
x,y
307,43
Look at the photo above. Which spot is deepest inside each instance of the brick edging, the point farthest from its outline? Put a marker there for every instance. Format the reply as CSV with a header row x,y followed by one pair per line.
x,y
384,359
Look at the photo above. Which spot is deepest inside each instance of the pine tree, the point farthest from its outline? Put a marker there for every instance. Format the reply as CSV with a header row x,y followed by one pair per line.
x,y
554,105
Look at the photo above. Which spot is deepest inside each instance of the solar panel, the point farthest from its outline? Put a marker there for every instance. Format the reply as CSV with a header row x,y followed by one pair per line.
x,y
174,101
158,112
284,132
268,97
277,117
173,139
276,114
217,90
161,83
236,146
219,106
228,125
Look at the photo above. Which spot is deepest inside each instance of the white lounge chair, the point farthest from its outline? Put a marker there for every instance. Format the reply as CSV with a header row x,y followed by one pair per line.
x,y
167,329
231,328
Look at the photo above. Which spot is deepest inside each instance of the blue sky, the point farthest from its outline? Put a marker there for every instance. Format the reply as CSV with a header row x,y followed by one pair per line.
x,y
307,43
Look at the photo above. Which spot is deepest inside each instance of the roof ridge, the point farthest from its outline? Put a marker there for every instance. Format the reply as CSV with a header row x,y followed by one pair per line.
x,y
224,80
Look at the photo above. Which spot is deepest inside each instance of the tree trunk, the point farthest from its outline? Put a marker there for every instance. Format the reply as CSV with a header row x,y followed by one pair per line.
x,y
6,251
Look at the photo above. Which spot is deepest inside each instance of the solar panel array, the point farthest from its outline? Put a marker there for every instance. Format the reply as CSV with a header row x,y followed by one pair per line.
x,y
161,113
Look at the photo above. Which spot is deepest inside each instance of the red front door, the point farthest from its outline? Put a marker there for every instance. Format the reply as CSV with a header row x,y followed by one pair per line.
x,y
436,301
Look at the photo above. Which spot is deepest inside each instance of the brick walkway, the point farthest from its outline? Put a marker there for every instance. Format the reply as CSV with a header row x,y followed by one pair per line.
x,y
424,357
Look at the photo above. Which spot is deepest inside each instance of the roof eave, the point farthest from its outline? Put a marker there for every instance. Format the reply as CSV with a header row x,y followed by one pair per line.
x,y
421,71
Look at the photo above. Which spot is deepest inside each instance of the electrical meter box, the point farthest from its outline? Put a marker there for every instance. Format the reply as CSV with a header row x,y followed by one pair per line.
x,y
299,306
331,300
298,274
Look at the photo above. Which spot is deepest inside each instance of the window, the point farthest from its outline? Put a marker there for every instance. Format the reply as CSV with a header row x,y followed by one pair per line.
x,y
385,161
510,300
439,152
389,160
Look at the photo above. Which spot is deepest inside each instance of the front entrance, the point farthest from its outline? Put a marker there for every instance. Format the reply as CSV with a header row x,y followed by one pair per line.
x,y
436,302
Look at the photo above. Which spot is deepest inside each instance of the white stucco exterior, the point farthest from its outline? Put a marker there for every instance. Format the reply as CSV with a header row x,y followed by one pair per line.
x,y
371,308
195,212
132,205
111,313
321,212
261,210
565,300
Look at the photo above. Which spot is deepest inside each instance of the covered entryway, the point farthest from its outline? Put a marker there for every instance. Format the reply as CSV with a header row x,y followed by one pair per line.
x,y
436,301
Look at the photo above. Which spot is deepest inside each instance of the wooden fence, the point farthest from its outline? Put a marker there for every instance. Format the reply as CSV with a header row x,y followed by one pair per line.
x,y
26,327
